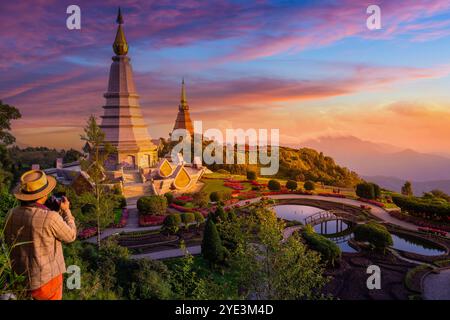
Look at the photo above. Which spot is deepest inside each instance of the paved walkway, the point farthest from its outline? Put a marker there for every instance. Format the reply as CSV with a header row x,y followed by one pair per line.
x,y
172,253
436,286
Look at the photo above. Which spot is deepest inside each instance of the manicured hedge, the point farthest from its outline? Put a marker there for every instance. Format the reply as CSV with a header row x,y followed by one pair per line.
x,y
187,218
171,223
329,251
423,207
154,205
374,233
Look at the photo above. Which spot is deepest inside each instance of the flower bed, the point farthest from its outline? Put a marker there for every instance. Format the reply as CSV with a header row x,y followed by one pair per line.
x,y
333,195
150,220
87,233
433,231
234,185
375,203
184,198
181,208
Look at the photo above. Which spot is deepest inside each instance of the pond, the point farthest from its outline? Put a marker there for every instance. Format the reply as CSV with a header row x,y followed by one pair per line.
x,y
295,212
415,245
328,228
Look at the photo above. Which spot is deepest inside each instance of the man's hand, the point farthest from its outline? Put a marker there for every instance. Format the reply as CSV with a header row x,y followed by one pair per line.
x,y
65,204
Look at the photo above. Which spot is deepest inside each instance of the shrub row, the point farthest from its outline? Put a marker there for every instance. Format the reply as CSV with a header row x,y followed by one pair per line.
x,y
421,206
329,251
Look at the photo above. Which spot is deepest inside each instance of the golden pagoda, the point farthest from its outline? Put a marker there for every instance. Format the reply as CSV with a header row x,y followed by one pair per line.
x,y
183,120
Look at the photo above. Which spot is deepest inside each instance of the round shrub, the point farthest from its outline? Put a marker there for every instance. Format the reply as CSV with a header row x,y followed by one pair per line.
x,y
214,196
172,223
154,205
251,175
187,218
374,233
291,185
365,190
309,185
199,218
274,185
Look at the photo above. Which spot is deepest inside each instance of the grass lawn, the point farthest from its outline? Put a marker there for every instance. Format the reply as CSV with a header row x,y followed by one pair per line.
x,y
216,184
117,215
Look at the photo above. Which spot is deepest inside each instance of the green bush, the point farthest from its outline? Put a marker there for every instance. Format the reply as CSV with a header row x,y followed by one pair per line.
x,y
154,205
169,196
274,185
374,233
199,218
120,201
212,249
329,251
214,196
187,218
309,185
172,223
365,190
219,215
291,185
424,207
251,175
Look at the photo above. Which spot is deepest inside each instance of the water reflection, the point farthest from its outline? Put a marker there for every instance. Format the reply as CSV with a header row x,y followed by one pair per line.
x,y
415,245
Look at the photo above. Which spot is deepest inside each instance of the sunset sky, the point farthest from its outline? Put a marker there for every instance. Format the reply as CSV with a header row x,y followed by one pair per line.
x,y
309,68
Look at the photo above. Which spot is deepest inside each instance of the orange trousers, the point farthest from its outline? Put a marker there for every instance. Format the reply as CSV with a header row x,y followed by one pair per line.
x,y
52,290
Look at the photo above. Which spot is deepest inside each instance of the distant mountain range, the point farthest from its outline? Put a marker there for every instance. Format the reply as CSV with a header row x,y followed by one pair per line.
x,y
388,165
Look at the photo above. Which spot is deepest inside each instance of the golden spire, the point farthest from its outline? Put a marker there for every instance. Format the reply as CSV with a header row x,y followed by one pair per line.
x,y
183,92
120,45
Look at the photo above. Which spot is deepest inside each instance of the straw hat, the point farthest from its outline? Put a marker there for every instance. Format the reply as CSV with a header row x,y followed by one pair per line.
x,y
34,184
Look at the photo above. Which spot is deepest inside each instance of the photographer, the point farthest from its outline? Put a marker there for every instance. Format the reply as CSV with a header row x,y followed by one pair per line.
x,y
37,232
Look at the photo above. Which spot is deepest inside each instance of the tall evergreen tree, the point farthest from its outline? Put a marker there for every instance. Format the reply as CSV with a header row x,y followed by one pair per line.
x,y
212,249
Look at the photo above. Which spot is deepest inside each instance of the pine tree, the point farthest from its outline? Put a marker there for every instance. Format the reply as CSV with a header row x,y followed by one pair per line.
x,y
212,249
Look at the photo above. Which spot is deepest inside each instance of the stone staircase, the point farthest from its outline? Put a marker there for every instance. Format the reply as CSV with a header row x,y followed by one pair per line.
x,y
136,189
131,176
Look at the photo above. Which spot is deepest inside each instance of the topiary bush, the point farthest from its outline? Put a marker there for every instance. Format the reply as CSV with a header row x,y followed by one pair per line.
x,y
274,185
214,196
309,185
329,251
154,205
212,248
172,223
187,218
251,175
291,185
374,233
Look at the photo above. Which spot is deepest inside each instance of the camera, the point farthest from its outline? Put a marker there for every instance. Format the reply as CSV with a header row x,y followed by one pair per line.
x,y
54,201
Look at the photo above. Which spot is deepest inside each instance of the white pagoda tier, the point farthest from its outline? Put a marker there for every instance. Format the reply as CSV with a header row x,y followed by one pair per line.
x,y
122,120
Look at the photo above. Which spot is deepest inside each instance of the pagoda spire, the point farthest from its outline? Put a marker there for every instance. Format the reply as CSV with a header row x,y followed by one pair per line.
x,y
183,102
120,45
